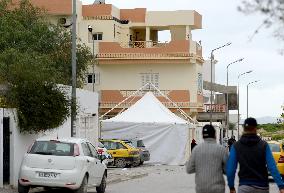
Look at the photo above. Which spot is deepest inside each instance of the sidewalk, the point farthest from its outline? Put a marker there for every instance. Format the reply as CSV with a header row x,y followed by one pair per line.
x,y
116,175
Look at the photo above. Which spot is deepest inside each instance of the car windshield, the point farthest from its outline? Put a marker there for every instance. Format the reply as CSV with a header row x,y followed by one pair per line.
x,y
130,144
274,147
140,143
52,148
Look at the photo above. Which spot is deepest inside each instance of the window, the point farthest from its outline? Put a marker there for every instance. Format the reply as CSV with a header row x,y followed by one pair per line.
x,y
52,148
120,146
200,83
93,150
274,147
90,78
150,77
86,150
97,36
93,78
109,145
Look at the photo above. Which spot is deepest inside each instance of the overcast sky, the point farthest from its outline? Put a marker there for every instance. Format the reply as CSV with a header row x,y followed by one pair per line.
x,y
222,23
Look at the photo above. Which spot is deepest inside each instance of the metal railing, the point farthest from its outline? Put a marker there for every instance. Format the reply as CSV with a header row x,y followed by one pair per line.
x,y
171,105
214,108
143,44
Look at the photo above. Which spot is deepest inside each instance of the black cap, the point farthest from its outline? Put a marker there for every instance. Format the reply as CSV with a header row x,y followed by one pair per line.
x,y
208,131
250,122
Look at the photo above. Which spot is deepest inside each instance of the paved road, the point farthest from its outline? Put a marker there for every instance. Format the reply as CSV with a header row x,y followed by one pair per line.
x,y
162,180
159,179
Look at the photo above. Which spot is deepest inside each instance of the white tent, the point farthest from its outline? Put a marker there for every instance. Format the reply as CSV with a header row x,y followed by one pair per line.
x,y
165,135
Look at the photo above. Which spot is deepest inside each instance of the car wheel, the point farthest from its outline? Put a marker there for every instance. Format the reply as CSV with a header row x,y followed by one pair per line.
x,y
84,186
135,164
23,189
120,162
102,187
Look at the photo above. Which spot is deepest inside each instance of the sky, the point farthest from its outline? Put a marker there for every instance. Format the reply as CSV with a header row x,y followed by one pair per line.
x,y
223,23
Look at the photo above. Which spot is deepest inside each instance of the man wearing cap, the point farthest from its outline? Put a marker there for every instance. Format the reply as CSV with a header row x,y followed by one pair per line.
x,y
208,161
255,158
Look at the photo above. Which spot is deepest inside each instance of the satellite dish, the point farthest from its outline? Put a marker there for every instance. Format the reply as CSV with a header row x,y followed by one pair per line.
x,y
99,2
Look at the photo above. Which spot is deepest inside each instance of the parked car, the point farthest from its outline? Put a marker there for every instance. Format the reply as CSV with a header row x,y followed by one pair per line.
x,y
124,154
144,153
107,157
278,154
62,163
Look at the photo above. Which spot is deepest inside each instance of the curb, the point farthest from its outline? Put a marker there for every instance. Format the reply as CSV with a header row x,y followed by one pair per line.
x,y
115,181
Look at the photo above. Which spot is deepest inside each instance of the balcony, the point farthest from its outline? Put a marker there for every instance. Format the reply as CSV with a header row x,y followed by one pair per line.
x,y
178,49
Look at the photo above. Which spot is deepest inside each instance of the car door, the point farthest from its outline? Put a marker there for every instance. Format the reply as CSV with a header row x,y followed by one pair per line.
x,y
91,164
99,166
111,147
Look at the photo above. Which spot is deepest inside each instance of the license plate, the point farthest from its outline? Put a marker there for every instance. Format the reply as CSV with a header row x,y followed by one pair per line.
x,y
51,175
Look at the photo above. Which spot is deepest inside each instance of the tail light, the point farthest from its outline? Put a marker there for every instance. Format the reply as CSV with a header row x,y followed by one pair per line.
x,y
24,180
133,152
281,159
100,151
76,150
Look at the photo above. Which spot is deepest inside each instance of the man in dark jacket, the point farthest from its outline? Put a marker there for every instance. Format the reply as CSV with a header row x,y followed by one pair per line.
x,y
254,157
231,141
193,144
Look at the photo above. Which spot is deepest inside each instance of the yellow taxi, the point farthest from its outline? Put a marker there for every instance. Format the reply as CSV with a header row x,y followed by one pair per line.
x,y
278,154
124,154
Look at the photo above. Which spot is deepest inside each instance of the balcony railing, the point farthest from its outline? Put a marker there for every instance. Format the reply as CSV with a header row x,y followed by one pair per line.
x,y
143,44
215,108
171,105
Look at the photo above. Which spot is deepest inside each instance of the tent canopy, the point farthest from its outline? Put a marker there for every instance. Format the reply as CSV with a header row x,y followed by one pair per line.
x,y
148,110
165,134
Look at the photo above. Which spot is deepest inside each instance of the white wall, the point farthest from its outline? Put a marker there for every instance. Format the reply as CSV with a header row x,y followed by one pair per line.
x,y
88,102
19,146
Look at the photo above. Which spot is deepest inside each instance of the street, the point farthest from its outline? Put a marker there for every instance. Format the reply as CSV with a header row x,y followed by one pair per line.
x,y
154,179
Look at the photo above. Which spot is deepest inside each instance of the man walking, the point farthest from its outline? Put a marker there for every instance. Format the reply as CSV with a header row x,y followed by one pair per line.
x,y
254,157
208,161
231,141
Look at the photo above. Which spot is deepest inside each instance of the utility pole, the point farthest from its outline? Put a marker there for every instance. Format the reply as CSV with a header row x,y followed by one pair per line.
x,y
74,68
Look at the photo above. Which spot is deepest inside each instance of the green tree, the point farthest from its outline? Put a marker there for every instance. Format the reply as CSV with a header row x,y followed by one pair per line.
x,y
35,56
232,126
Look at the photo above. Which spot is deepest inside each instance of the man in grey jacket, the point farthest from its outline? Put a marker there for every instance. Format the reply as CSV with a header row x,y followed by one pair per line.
x,y
208,162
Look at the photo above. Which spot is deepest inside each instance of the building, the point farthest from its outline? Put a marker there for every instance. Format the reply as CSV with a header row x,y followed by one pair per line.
x,y
128,53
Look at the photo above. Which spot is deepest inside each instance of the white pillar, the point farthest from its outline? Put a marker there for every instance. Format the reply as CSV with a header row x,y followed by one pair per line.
x,y
188,34
148,43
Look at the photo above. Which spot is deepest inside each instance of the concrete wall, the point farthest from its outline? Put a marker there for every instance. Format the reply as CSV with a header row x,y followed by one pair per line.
x,y
88,102
178,33
157,18
128,77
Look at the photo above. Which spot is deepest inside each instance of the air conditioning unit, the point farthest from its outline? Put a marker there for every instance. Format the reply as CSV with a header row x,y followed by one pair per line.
x,y
99,2
62,21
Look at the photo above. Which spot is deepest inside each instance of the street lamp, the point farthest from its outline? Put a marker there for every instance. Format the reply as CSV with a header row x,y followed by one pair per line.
x,y
227,97
247,92
239,99
90,29
211,85
74,69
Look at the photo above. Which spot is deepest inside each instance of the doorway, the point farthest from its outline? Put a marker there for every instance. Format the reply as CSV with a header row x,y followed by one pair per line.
x,y
6,150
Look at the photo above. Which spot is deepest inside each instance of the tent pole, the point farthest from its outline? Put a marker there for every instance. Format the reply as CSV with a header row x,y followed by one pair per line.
x,y
179,109
124,100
